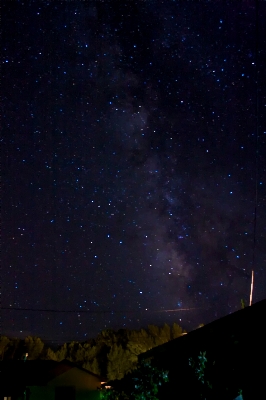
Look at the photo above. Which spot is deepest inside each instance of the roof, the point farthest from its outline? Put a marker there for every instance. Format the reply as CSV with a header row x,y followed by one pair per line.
x,y
246,324
234,347
36,372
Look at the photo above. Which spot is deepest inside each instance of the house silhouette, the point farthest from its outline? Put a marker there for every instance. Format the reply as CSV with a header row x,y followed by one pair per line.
x,y
235,349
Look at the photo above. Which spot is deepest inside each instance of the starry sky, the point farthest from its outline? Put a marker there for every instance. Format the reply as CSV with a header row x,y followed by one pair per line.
x,y
133,164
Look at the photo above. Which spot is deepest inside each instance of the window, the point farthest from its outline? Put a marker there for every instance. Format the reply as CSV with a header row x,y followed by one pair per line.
x,y
65,393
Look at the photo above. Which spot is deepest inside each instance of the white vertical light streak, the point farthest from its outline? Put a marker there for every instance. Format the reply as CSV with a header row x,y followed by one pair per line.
x,y
251,287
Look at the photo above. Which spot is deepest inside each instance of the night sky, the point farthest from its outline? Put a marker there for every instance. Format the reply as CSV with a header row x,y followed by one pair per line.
x,y
132,147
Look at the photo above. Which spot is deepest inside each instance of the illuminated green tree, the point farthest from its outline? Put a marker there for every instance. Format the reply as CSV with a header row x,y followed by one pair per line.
x,y
120,362
176,331
4,343
33,346
142,384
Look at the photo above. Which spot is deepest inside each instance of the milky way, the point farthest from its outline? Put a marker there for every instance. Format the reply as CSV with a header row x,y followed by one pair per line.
x,y
133,147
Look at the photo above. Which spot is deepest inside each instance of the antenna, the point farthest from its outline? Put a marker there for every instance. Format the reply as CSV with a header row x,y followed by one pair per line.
x,y
251,287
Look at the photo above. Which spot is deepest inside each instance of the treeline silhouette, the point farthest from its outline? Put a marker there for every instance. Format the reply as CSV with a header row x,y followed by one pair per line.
x,y
111,354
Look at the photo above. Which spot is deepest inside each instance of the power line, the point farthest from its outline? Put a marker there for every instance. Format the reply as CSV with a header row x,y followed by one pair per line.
x,y
96,312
